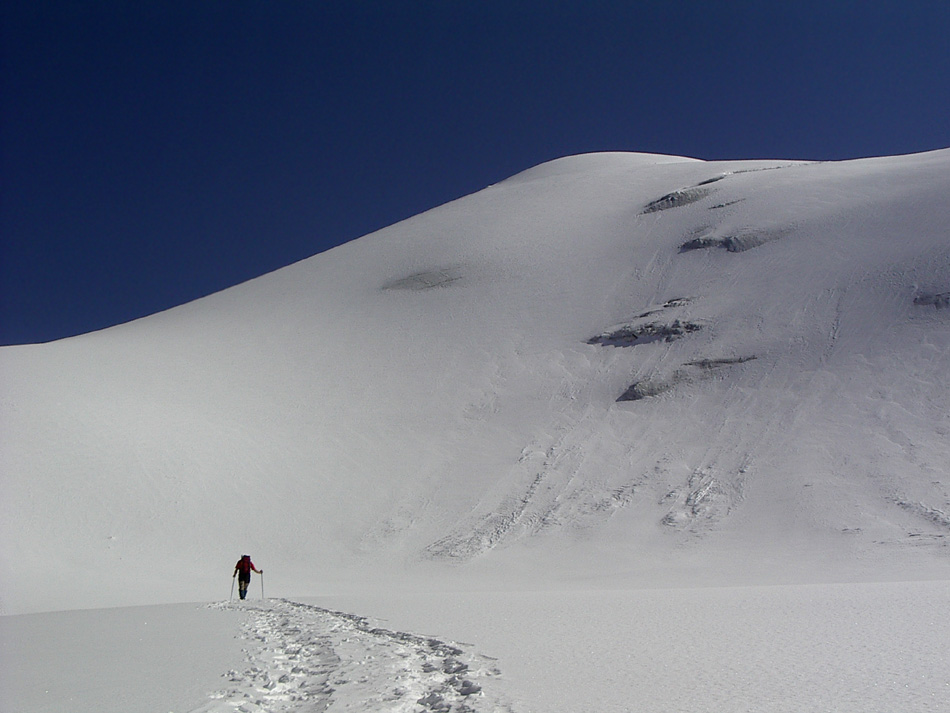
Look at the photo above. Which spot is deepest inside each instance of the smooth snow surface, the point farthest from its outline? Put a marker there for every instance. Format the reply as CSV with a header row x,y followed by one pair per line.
x,y
610,373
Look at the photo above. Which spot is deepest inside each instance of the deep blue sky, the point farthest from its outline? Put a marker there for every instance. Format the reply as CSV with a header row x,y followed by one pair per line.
x,y
153,152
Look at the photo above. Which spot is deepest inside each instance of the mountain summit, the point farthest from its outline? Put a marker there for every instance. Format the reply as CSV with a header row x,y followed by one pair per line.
x,y
612,366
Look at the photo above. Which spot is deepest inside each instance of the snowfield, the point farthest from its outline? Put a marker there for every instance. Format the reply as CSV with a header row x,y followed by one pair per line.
x,y
852,648
648,433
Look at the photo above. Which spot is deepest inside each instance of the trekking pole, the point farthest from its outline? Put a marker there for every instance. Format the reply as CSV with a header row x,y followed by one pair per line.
x,y
232,590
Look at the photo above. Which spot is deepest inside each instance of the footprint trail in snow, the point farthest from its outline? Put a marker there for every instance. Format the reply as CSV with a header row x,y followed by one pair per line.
x,y
305,658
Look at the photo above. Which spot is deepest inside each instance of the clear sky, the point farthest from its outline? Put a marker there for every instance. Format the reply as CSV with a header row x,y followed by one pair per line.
x,y
156,151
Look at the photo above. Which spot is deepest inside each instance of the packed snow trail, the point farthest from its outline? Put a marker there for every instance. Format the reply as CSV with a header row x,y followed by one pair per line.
x,y
305,658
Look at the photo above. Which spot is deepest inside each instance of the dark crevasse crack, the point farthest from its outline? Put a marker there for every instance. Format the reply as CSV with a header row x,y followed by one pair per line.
x,y
676,199
733,243
938,300
716,363
630,335
694,370
683,196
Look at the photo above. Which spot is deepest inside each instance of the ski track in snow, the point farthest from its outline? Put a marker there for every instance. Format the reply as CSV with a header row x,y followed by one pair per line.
x,y
305,658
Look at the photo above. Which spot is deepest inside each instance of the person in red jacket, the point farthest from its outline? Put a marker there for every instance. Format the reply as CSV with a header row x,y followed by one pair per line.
x,y
242,570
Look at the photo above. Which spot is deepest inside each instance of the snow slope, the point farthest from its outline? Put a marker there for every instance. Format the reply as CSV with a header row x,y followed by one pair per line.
x,y
612,368
577,421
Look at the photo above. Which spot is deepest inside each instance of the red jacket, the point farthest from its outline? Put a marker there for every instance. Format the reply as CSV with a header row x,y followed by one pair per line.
x,y
244,566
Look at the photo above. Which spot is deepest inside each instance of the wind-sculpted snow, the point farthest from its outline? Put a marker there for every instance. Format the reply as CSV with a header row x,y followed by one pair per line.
x,y
547,491
934,516
706,498
426,280
302,658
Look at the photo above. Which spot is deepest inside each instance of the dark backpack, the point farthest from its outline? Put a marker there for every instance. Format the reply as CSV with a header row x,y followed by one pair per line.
x,y
244,566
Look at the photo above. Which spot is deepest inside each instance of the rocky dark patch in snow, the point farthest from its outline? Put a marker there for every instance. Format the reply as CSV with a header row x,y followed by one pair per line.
x,y
637,332
694,370
305,658
702,243
426,280
683,196
648,388
740,242
938,300
676,199
630,335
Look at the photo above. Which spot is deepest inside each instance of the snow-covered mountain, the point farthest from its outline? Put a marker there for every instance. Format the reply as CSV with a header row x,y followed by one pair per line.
x,y
608,369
